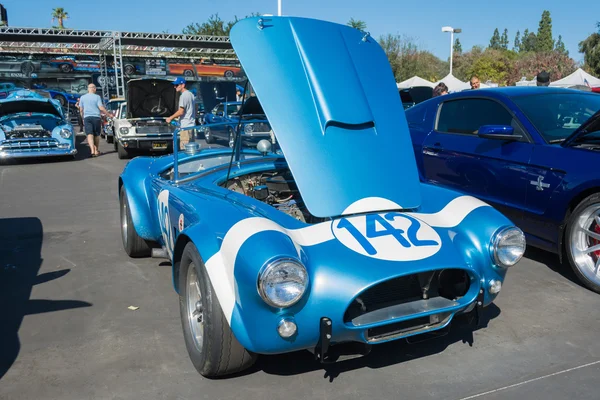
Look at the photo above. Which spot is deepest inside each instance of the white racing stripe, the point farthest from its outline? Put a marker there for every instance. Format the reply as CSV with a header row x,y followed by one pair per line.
x,y
221,265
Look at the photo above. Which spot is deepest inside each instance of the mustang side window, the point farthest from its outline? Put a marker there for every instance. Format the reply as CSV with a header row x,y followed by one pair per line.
x,y
467,115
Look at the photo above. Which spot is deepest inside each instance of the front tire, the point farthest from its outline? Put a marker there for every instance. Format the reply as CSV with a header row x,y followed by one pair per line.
x,y
134,245
582,241
208,136
122,152
211,345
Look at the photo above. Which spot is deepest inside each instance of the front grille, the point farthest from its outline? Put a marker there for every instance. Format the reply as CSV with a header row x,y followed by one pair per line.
x,y
154,129
448,283
32,144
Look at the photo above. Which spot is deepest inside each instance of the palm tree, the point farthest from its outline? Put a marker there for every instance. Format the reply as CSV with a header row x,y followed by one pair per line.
x,y
357,24
60,15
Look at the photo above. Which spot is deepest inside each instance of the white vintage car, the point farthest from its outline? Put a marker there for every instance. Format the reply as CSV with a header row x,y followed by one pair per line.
x,y
142,127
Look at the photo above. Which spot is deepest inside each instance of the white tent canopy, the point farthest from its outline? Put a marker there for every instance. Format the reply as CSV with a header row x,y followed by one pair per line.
x,y
577,78
415,81
456,85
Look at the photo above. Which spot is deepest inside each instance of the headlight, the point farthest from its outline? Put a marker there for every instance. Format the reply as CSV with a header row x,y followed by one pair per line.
x,y
124,131
282,282
65,133
508,246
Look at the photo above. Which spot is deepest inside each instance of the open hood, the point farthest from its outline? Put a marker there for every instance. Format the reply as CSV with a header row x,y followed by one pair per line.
x,y
341,127
150,98
592,124
29,105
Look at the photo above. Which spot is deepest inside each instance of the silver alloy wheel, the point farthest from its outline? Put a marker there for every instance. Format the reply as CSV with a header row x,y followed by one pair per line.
x,y
124,224
207,134
585,242
231,139
195,307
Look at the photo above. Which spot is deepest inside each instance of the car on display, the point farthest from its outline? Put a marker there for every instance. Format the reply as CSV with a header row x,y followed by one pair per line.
x,y
69,64
63,97
203,68
114,106
32,125
143,127
227,120
331,241
530,152
6,88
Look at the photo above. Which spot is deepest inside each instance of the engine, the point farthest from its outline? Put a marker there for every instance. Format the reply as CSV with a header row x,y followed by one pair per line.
x,y
26,131
276,188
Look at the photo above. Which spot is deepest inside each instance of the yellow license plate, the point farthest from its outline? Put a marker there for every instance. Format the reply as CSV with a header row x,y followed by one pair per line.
x,y
159,145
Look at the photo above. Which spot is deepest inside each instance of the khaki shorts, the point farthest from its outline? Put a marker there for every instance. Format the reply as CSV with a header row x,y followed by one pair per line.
x,y
184,138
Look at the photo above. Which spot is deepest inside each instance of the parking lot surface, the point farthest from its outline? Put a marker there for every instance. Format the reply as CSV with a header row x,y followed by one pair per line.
x,y
67,331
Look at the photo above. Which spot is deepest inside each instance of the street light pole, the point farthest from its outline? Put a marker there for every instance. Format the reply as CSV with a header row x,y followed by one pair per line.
x,y
279,7
452,32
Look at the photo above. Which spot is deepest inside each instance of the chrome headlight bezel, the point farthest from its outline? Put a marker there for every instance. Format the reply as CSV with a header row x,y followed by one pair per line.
x,y
124,130
249,128
501,239
269,272
65,133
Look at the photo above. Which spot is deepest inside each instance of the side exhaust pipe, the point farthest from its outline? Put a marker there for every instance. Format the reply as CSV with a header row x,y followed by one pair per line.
x,y
160,253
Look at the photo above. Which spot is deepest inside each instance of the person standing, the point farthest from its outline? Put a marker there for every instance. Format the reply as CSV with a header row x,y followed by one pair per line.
x,y
79,118
475,83
91,108
186,112
543,79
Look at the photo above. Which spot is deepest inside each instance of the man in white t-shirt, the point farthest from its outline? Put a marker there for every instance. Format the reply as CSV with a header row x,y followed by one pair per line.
x,y
186,112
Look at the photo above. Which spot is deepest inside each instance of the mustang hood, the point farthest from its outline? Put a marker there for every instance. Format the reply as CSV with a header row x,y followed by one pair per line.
x,y
341,125
592,124
32,105
150,98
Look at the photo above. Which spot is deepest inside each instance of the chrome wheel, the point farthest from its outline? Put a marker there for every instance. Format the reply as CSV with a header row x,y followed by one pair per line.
x,y
195,307
584,243
231,139
207,134
124,224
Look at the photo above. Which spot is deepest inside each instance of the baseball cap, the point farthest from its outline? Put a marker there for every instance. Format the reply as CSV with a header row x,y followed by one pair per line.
x,y
543,77
179,81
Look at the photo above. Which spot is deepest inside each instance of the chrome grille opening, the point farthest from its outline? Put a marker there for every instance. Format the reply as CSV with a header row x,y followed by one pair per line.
x,y
433,287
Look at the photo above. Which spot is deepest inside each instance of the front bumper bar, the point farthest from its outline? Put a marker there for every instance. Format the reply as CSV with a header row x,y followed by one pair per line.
x,y
146,143
34,153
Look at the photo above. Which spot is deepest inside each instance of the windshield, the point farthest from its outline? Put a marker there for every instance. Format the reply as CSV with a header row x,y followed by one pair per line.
x,y
556,116
193,166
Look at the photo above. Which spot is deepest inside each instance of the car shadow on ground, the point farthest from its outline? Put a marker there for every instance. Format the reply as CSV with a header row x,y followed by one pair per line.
x,y
20,261
553,262
382,355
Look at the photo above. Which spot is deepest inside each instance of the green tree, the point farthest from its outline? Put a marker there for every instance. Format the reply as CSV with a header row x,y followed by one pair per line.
x,y
530,64
59,14
529,41
495,41
544,41
407,60
517,45
357,24
457,46
214,26
560,46
590,47
504,40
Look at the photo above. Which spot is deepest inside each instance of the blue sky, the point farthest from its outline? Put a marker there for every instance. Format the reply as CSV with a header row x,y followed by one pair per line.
x,y
421,20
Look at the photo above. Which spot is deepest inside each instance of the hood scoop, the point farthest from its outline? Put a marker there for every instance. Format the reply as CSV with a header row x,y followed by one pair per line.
x,y
330,96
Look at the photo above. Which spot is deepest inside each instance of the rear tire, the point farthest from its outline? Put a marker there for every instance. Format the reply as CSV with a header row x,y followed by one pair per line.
x,y
211,345
134,245
122,152
110,138
583,233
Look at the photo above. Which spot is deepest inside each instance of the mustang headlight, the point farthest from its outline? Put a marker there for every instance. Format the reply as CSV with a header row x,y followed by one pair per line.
x,y
124,130
65,133
508,246
282,282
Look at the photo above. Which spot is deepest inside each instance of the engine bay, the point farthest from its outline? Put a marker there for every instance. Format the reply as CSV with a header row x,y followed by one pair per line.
x,y
276,188
29,127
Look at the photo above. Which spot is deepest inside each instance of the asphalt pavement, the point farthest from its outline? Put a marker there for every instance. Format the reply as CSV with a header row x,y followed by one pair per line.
x,y
67,332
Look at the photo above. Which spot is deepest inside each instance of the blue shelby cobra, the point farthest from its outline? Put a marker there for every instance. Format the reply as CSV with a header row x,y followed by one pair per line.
x,y
32,125
334,243
532,153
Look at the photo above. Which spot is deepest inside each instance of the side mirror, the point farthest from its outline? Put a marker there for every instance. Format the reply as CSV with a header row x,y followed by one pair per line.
x,y
499,132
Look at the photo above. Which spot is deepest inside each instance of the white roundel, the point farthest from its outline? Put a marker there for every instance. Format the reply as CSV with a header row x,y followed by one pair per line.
x,y
164,220
392,236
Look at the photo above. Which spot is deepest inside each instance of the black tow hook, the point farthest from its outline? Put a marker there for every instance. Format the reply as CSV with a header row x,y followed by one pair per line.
x,y
322,348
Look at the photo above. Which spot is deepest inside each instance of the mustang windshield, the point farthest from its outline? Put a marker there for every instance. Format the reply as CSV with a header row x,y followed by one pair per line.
x,y
557,115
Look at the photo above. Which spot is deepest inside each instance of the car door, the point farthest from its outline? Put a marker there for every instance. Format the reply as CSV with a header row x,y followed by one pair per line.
x,y
493,170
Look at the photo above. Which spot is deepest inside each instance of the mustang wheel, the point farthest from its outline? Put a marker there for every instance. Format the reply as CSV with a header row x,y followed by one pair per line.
x,y
208,137
212,347
66,67
134,245
61,99
188,72
228,74
122,152
583,241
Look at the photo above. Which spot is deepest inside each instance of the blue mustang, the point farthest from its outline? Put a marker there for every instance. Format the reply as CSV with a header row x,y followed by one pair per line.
x,y
532,153
322,247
